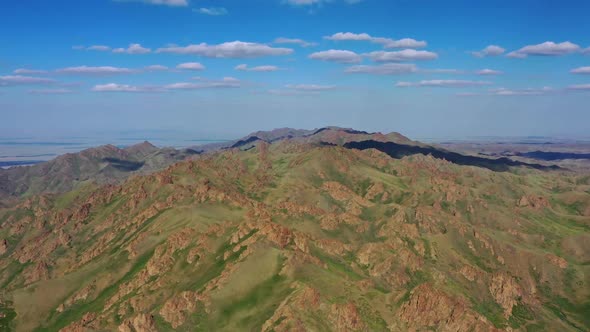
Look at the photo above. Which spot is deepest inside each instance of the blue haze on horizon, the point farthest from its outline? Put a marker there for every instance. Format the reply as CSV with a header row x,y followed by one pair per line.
x,y
68,67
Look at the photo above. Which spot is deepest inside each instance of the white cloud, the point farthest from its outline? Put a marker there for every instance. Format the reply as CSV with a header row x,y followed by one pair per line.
x,y
385,69
24,71
301,89
171,3
133,49
350,36
267,68
226,82
212,11
548,48
303,2
50,91
190,66
86,70
310,87
386,42
442,83
301,42
235,49
510,92
586,51
404,55
340,56
286,92
316,2
467,94
521,92
579,87
490,50
488,72
114,87
24,80
405,43
442,71
156,68
581,70
100,48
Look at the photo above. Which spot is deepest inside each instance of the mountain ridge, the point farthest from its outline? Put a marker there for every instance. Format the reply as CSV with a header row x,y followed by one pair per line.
x,y
110,164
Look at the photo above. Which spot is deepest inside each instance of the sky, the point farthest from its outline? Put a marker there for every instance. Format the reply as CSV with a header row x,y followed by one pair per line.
x,y
223,68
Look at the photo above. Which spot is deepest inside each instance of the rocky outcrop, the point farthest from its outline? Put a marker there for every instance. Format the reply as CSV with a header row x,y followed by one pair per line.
x,y
3,247
139,323
345,317
536,202
377,189
37,272
176,309
87,323
471,273
80,295
557,261
430,308
505,291
288,316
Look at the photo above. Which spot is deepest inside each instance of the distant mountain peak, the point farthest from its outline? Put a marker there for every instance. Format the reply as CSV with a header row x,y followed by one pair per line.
x,y
141,149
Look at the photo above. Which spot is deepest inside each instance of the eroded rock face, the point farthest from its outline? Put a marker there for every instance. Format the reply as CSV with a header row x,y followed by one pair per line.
x,y
505,291
430,308
536,202
345,317
178,307
139,323
3,247
288,318
87,323
470,273
37,272
81,295
556,260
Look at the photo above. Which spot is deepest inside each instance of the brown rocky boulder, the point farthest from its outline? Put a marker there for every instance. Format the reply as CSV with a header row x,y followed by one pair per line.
x,y
139,323
3,247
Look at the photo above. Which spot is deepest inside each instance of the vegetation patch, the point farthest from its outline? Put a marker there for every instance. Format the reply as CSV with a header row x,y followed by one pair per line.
x,y
492,311
417,278
336,265
76,312
7,315
520,315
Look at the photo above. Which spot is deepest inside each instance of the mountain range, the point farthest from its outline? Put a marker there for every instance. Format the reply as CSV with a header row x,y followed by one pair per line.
x,y
293,230
110,164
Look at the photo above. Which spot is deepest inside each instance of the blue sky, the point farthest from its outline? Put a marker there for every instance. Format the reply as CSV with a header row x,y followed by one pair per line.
x,y
215,68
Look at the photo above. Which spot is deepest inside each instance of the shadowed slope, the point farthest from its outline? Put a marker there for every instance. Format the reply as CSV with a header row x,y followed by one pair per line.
x,y
399,150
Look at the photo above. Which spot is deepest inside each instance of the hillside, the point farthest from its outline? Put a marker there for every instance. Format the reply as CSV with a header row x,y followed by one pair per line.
x,y
332,135
104,164
298,235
